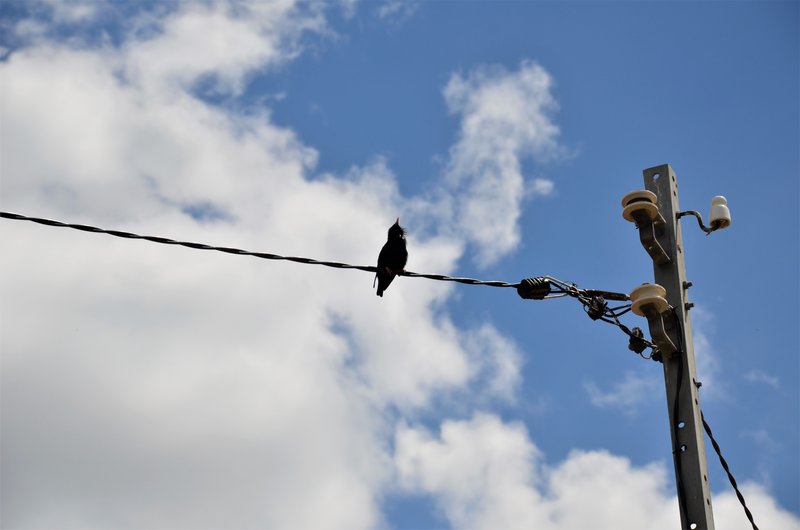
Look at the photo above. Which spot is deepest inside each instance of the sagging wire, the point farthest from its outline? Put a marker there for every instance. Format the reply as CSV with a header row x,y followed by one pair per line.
x,y
540,288
240,252
555,288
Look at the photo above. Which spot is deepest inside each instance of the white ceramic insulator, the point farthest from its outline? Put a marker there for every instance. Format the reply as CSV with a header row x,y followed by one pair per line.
x,y
720,216
646,294
639,200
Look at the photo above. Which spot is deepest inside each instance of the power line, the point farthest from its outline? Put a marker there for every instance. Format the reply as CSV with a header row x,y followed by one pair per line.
x,y
540,288
241,252
728,471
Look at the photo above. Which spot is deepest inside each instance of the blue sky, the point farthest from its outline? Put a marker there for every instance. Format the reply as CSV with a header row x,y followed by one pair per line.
x,y
163,387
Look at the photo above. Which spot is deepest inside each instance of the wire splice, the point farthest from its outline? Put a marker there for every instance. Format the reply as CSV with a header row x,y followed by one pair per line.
x,y
596,307
637,343
534,288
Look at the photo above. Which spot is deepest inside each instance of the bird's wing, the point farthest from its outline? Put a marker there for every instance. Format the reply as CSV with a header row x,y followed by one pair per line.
x,y
384,256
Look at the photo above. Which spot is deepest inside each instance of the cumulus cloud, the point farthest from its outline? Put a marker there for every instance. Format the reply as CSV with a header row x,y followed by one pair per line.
x,y
496,359
221,43
190,392
506,116
147,386
484,473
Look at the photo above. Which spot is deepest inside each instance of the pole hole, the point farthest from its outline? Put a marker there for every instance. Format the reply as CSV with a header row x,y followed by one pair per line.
x,y
693,526
656,177
683,448
681,424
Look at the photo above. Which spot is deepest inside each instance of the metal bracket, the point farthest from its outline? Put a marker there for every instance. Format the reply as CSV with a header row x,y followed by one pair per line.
x,y
658,331
649,230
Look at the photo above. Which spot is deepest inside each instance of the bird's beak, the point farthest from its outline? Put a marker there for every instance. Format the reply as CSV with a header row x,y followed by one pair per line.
x,y
397,222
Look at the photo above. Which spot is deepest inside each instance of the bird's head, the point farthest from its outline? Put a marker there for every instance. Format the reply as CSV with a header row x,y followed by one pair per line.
x,y
396,231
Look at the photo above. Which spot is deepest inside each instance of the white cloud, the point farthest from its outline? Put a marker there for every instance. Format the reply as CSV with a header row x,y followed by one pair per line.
x,y
497,359
764,440
478,471
706,358
179,389
541,187
505,117
153,386
626,395
73,11
46,17
484,473
760,376
397,11
221,42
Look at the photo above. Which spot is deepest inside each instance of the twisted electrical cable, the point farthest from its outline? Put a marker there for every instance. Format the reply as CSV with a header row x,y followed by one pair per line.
x,y
728,471
540,288
240,252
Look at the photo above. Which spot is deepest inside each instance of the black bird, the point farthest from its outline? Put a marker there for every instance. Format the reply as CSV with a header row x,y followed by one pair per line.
x,y
392,258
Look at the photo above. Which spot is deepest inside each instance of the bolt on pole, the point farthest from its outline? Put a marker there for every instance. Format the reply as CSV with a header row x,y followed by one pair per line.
x,y
680,376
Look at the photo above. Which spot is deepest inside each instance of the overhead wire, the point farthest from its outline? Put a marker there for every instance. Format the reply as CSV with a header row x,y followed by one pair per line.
x,y
241,252
540,288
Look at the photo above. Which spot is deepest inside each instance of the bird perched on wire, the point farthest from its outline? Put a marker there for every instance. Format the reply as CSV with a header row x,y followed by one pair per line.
x,y
392,258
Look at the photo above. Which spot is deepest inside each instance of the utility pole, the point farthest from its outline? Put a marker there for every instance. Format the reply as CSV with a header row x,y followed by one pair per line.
x,y
656,216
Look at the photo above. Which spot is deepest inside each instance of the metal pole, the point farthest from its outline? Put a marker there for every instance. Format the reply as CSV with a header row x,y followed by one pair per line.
x,y
680,376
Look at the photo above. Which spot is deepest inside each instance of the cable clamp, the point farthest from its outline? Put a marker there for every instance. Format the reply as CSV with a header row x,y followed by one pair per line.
x,y
534,288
